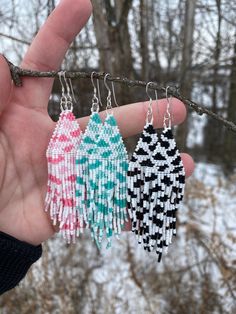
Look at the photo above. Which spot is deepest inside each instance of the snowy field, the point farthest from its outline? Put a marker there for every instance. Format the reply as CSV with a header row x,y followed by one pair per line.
x,y
198,271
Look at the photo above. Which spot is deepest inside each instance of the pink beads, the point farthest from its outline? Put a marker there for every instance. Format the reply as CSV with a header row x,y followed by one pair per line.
x,y
61,176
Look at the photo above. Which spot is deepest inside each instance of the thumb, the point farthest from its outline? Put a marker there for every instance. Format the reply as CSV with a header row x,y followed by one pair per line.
x,y
5,83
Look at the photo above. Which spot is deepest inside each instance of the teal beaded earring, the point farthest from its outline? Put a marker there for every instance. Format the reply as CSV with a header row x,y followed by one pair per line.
x,y
108,165
85,151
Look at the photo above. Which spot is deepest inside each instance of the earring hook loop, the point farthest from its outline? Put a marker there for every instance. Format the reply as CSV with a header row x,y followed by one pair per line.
x,y
149,116
95,101
114,94
69,103
108,106
72,90
63,100
167,117
147,92
99,94
94,87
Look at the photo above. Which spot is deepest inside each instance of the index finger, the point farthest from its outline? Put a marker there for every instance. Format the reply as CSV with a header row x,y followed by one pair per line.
x,y
52,41
131,118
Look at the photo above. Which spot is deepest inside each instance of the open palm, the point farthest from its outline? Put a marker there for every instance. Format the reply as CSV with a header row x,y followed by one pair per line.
x,y
25,127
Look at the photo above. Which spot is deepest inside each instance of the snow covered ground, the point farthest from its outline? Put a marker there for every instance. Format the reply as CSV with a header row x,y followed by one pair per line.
x,y
200,267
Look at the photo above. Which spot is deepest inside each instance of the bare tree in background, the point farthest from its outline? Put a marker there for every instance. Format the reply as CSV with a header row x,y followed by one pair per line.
x,y
229,139
113,38
143,38
213,132
181,42
186,80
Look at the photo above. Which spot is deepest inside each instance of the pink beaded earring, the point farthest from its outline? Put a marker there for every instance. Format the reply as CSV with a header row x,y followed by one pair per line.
x,y
61,152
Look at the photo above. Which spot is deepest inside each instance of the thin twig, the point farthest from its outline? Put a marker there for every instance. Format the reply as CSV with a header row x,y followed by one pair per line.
x,y
19,40
17,73
25,42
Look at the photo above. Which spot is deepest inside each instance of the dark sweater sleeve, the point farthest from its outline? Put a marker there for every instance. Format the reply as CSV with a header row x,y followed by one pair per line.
x,y
16,257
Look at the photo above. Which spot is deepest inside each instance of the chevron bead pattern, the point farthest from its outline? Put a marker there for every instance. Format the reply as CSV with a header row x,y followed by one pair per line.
x,y
85,151
108,167
156,181
61,175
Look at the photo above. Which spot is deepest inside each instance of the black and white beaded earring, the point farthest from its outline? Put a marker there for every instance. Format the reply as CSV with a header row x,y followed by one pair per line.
x,y
156,181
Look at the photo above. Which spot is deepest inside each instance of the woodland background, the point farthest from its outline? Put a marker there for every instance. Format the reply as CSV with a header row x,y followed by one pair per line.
x,y
188,43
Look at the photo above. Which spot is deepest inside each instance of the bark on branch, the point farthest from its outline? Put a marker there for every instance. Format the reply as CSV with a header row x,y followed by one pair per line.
x,y
17,73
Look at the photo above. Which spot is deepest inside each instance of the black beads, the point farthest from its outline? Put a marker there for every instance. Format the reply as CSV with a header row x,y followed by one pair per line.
x,y
155,188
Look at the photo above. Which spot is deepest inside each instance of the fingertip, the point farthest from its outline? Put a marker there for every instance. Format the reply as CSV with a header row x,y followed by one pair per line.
x,y
88,7
188,163
75,12
179,112
80,5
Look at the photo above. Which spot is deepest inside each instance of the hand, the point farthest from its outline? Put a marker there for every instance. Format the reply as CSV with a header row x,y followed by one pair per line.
x,y
25,127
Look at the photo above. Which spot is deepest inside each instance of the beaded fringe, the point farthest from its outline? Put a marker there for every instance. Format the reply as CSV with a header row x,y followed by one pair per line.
x,y
61,175
107,185
84,153
107,207
155,189
87,182
101,167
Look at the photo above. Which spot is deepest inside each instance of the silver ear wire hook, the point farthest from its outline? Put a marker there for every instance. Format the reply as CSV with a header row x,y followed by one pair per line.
x,y
150,97
154,91
109,90
167,116
156,96
99,94
109,106
67,85
149,116
94,87
60,74
95,101
69,104
72,90
114,94
63,101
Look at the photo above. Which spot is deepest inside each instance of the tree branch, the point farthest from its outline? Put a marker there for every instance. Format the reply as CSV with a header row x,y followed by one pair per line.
x,y
17,73
22,41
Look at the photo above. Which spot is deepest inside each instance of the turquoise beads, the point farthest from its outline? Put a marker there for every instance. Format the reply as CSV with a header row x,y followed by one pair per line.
x,y
101,167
